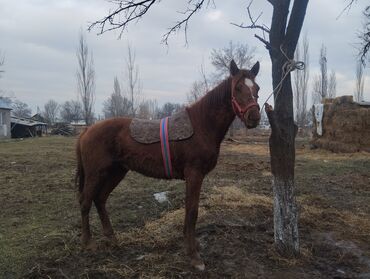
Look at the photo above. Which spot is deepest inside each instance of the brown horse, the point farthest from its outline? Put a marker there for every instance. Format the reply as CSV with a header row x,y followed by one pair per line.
x,y
106,152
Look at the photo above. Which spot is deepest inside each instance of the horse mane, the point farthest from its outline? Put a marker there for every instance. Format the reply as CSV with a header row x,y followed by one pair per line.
x,y
218,96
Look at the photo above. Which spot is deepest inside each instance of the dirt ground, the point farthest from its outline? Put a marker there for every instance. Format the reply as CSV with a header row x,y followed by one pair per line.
x,y
40,222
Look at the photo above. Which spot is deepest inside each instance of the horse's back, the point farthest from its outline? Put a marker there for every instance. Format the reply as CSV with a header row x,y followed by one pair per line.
x,y
98,142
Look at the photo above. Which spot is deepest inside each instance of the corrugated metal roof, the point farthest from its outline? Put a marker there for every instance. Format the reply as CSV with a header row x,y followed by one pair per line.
x,y
25,121
4,104
78,123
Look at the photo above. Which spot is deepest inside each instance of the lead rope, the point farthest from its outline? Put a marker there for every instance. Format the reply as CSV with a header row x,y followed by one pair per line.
x,y
289,66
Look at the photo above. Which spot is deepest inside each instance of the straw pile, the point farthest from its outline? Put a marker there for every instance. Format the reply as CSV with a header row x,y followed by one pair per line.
x,y
346,126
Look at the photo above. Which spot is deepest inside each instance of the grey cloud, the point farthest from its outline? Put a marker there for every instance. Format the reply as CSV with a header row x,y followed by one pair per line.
x,y
39,40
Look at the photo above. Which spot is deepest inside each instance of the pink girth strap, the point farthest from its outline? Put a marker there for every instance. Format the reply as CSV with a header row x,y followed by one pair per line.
x,y
165,146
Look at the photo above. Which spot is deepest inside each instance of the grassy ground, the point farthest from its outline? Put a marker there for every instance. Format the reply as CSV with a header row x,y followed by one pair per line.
x,y
39,232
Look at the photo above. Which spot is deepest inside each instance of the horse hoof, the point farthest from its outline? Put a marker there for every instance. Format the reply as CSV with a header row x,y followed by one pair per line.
x,y
90,246
198,264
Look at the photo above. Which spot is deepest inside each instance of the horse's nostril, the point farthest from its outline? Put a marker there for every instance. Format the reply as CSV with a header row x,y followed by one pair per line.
x,y
254,116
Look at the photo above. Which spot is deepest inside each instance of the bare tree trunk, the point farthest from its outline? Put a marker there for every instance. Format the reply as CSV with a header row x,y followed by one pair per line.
x,y
360,80
282,150
1,63
133,80
301,83
284,37
85,79
51,109
323,73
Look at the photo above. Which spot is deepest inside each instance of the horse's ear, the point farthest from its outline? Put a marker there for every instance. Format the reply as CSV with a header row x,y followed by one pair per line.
x,y
255,69
234,70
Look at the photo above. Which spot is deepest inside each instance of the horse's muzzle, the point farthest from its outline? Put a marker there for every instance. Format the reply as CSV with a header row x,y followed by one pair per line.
x,y
253,117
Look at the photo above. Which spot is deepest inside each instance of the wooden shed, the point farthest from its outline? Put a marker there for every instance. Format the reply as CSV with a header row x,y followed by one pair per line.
x,y
26,127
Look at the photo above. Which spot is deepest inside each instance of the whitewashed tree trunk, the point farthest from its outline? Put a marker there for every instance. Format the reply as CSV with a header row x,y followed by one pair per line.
x,y
285,217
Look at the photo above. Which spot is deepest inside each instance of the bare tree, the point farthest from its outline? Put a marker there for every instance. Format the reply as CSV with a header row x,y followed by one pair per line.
x,y
197,90
284,31
168,109
323,87
242,54
21,109
301,82
71,111
316,90
50,113
2,60
360,81
364,35
85,79
116,105
148,109
200,87
283,38
133,80
1,71
323,72
332,85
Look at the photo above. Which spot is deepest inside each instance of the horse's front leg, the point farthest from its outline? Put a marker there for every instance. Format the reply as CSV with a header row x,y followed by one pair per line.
x,y
194,181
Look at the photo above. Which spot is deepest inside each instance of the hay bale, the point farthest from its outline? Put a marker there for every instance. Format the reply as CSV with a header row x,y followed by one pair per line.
x,y
343,100
346,126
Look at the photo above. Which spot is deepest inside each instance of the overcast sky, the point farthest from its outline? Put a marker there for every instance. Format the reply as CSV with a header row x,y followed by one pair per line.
x,y
39,37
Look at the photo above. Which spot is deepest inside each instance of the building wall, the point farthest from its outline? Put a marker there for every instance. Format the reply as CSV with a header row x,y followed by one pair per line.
x,y
4,123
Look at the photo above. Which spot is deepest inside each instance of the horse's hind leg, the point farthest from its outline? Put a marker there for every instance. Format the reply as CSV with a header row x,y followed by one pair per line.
x,y
113,178
86,198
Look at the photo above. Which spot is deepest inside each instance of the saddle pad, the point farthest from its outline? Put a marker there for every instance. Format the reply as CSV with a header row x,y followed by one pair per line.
x,y
147,131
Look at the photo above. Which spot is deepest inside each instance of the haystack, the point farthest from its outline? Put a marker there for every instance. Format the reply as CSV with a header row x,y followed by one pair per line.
x,y
345,125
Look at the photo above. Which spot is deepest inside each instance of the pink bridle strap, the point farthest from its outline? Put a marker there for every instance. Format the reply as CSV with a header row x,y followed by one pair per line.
x,y
165,146
239,111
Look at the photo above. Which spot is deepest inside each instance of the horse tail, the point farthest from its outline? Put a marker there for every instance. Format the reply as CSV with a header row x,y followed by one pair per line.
x,y
80,175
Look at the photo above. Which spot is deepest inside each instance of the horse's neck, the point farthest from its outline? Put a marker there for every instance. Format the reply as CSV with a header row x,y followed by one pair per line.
x,y
214,112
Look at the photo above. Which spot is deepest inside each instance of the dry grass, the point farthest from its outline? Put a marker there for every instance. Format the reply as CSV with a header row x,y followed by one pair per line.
x,y
232,197
39,236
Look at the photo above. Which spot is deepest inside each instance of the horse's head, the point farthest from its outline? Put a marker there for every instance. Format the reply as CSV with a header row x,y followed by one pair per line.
x,y
244,94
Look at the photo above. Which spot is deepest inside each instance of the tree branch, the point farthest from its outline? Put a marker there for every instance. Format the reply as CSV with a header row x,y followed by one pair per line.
x,y
254,24
346,8
267,44
127,11
184,22
365,37
131,11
